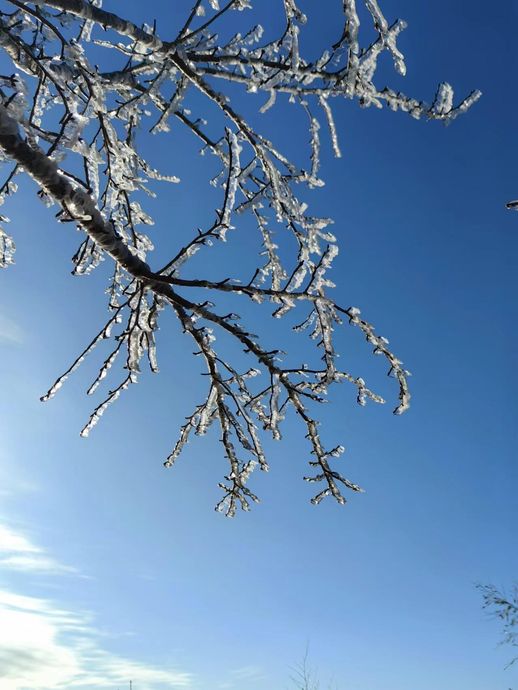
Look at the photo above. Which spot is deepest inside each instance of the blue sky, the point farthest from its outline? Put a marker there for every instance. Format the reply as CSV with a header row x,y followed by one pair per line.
x,y
115,569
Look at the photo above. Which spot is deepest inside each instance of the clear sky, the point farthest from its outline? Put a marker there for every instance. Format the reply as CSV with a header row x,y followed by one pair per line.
x,y
114,568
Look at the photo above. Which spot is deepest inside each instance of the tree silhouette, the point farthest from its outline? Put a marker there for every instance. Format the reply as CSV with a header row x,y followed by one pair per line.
x,y
505,608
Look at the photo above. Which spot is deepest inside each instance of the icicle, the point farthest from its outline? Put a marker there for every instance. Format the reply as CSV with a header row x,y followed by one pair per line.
x,y
233,178
270,102
444,99
7,249
206,412
331,124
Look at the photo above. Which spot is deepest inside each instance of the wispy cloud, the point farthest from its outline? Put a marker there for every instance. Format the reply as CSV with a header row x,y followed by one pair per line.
x,y
247,673
10,331
244,675
13,541
17,552
45,646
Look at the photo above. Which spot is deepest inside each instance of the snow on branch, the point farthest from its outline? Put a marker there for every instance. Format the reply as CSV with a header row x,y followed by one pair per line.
x,y
74,124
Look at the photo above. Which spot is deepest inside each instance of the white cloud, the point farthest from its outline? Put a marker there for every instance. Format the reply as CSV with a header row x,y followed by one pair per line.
x,y
18,553
36,563
44,647
15,542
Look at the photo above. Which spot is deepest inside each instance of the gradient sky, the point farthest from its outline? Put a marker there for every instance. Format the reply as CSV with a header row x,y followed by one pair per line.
x,y
114,568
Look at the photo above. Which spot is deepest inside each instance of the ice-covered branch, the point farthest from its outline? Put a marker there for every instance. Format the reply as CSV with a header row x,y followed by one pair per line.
x,y
78,127
75,202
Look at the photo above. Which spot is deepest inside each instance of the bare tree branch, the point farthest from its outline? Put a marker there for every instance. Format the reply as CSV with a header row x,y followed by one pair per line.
x,y
71,124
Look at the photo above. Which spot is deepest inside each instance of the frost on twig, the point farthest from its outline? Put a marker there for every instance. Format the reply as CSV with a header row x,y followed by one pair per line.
x,y
74,125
